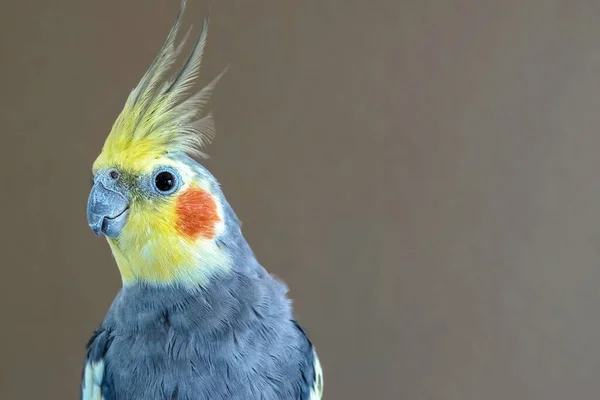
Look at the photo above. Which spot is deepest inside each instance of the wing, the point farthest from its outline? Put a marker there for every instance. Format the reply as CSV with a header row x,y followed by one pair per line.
x,y
313,375
316,391
96,383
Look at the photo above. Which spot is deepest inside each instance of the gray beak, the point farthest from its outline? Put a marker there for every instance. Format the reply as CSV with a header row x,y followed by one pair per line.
x,y
107,210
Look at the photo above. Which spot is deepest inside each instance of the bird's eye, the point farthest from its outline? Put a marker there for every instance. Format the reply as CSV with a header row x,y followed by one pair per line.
x,y
164,181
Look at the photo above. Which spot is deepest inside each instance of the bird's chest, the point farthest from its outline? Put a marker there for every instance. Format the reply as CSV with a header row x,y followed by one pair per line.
x,y
176,366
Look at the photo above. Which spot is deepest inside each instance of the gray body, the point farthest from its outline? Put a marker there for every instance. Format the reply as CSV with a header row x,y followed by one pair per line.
x,y
234,338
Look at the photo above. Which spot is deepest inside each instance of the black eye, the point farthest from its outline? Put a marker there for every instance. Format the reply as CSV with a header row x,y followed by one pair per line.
x,y
164,181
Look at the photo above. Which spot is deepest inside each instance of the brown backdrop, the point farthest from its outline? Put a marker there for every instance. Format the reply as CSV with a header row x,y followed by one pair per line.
x,y
423,174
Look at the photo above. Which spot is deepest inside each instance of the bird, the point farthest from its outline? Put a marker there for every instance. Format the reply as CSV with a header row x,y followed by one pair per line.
x,y
197,316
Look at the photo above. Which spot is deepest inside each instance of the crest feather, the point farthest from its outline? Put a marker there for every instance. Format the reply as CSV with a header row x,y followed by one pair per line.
x,y
157,116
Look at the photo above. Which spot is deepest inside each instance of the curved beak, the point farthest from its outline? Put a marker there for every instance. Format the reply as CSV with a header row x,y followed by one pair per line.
x,y
107,211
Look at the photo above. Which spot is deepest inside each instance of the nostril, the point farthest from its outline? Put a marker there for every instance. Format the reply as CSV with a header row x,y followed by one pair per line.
x,y
114,174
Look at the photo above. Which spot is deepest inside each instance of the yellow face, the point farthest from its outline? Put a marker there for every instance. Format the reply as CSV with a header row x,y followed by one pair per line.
x,y
172,218
159,209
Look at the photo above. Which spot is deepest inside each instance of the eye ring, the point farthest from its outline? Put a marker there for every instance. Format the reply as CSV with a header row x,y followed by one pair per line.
x,y
164,181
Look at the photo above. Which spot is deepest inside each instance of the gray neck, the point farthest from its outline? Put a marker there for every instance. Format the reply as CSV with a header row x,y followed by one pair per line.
x,y
226,304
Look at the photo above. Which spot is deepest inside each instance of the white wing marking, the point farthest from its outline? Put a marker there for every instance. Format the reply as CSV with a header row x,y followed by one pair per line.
x,y
92,380
317,390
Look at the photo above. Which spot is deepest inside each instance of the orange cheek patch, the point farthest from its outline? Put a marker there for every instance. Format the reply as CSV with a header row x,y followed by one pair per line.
x,y
196,213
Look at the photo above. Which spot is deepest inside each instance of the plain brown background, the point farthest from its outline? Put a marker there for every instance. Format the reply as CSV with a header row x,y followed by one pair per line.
x,y
423,174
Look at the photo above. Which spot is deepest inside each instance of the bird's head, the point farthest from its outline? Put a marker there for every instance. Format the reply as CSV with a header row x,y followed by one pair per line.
x,y
161,212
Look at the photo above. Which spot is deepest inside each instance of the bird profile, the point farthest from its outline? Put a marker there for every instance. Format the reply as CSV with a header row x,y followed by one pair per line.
x,y
197,317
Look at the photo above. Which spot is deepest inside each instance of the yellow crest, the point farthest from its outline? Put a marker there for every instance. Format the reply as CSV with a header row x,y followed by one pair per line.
x,y
157,118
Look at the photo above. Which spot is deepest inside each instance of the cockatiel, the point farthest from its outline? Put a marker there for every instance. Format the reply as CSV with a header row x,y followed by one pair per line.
x,y
197,316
